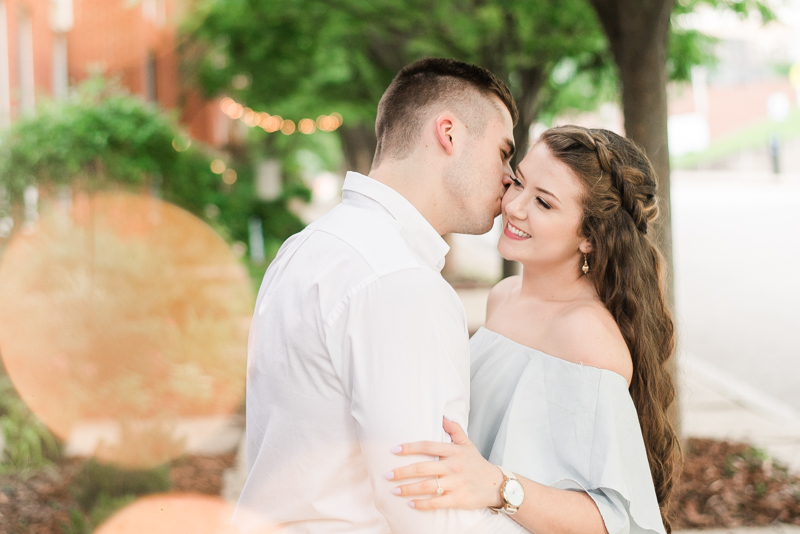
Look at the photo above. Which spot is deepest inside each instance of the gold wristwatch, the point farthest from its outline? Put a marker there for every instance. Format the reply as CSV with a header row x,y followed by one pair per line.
x,y
511,493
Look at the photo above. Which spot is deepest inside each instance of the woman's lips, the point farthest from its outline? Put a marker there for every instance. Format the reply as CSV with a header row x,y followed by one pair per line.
x,y
510,230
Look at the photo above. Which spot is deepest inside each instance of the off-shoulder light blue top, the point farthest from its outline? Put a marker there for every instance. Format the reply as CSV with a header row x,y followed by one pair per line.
x,y
562,424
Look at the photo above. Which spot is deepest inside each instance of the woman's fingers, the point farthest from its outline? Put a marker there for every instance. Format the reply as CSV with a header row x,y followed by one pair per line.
x,y
457,433
435,503
424,487
420,469
431,448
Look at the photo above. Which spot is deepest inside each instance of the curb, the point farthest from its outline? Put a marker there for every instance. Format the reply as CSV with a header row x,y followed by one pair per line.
x,y
742,393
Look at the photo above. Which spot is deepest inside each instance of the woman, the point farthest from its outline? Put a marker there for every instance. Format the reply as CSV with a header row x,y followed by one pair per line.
x,y
573,351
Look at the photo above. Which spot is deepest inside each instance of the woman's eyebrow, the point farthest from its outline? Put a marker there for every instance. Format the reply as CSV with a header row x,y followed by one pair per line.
x,y
546,192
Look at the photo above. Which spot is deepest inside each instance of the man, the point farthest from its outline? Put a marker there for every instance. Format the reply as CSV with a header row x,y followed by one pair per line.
x,y
357,343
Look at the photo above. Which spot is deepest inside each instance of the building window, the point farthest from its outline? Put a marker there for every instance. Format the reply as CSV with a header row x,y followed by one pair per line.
x,y
60,70
150,78
61,21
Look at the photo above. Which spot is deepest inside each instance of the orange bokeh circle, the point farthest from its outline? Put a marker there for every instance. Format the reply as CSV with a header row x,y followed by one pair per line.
x,y
128,311
174,513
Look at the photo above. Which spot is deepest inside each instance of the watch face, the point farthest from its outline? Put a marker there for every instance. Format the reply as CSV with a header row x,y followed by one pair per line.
x,y
513,493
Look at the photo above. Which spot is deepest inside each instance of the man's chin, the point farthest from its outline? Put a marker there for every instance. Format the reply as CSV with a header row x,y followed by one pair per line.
x,y
474,228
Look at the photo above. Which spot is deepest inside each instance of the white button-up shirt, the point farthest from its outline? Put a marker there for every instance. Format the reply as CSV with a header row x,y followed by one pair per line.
x,y
357,345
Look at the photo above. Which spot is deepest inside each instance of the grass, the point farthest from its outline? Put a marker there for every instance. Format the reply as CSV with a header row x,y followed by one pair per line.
x,y
755,136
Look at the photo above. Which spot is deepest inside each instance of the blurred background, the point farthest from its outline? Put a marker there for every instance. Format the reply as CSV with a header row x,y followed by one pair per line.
x,y
155,154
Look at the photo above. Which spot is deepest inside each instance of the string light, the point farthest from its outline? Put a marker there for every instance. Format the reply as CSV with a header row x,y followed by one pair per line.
x,y
307,126
218,166
229,176
274,123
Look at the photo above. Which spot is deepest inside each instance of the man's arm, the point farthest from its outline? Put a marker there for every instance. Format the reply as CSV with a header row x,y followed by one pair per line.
x,y
405,360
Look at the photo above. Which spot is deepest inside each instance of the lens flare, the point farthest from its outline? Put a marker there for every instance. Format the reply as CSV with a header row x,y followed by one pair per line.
x,y
170,514
126,313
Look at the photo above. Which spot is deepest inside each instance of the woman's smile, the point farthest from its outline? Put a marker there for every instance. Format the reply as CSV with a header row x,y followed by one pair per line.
x,y
513,232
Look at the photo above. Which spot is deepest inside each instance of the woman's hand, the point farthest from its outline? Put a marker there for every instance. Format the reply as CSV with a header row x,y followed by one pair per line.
x,y
469,481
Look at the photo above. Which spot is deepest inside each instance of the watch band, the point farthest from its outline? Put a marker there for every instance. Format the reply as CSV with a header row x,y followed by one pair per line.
x,y
507,507
506,473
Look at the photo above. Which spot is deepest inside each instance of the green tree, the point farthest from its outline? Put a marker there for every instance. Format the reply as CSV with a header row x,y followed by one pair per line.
x,y
303,58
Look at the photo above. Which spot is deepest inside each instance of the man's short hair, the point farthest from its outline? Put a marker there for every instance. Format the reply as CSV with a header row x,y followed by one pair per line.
x,y
424,83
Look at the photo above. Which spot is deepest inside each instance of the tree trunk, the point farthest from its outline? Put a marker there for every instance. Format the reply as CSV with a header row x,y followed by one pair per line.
x,y
637,32
358,145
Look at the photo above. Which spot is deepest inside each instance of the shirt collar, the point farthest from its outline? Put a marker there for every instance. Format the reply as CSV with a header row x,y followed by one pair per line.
x,y
416,230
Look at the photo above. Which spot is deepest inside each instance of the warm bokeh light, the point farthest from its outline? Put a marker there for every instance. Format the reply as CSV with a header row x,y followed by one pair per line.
x,y
172,514
307,126
228,106
287,128
273,123
250,117
218,166
263,120
125,311
182,143
229,176
328,123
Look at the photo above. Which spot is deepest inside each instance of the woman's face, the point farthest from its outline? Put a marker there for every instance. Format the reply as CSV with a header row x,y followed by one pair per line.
x,y
542,213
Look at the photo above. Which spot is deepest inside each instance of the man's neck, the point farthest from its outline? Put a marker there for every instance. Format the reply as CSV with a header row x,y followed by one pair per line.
x,y
416,184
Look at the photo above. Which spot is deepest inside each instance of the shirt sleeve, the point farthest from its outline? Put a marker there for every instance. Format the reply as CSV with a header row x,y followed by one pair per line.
x,y
405,363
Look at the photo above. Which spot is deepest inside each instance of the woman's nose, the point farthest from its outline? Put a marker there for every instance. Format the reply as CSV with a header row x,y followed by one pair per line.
x,y
515,207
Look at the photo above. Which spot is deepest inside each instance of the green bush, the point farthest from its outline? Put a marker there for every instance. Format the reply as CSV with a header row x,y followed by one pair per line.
x,y
99,484
28,442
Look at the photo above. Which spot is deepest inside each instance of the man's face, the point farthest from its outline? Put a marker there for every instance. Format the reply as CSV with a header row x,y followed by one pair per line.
x,y
475,179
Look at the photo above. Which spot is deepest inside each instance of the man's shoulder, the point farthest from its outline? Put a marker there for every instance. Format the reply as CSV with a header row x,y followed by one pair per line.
x,y
374,238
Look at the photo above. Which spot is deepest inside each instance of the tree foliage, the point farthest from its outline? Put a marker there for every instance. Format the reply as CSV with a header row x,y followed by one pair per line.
x,y
304,57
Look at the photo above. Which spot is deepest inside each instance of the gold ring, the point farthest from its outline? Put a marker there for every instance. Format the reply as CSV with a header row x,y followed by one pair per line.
x,y
439,489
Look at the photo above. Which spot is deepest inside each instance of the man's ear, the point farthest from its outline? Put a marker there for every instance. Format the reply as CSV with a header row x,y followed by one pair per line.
x,y
444,132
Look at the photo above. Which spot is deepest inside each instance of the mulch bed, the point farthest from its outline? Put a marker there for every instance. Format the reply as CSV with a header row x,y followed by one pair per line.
x,y
727,485
41,502
724,485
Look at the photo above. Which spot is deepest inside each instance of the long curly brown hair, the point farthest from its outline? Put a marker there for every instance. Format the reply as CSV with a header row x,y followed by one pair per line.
x,y
619,203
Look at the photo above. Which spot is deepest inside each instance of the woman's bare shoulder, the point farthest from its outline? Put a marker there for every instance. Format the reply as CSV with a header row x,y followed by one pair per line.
x,y
500,293
587,333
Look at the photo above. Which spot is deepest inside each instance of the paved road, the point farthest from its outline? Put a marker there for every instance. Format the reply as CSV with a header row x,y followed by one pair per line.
x,y
737,279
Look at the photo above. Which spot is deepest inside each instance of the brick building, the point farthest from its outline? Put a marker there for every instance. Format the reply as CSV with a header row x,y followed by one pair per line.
x,y
48,45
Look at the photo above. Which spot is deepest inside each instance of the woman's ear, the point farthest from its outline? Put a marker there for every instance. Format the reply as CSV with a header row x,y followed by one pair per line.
x,y
586,246
444,132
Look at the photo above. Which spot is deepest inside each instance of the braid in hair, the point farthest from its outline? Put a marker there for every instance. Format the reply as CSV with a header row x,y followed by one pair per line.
x,y
619,202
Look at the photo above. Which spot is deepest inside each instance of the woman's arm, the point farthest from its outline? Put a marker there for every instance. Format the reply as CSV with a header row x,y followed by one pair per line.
x,y
470,481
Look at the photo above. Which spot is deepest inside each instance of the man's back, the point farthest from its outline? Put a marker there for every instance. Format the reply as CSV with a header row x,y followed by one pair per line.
x,y
357,344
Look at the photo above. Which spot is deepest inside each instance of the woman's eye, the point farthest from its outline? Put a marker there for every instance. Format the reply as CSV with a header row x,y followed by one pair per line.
x,y
544,204
516,182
